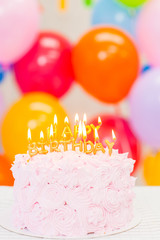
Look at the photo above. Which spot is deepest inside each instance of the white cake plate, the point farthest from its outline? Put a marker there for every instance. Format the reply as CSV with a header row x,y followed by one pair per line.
x,y
6,223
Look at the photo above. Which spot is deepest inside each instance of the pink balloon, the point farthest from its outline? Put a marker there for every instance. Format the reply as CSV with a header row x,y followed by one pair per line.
x,y
148,31
19,26
47,67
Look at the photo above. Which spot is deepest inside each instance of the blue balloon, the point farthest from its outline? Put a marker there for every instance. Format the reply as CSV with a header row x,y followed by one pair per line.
x,y
2,73
146,68
113,13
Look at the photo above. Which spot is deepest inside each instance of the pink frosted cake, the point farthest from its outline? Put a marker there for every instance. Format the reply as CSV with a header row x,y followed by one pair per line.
x,y
72,193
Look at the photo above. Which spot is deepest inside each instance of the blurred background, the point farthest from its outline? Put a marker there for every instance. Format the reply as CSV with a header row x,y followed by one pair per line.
x,y
99,57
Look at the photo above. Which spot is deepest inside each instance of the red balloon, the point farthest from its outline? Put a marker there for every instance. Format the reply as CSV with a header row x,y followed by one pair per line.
x,y
6,178
125,139
47,67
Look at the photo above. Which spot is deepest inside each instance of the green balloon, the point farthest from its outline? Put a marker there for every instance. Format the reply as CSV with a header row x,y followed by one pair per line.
x,y
88,2
133,3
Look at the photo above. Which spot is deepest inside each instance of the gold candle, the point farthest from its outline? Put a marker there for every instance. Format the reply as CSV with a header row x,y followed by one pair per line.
x,y
98,145
110,145
62,4
55,127
29,135
32,148
99,121
76,126
95,128
89,143
42,144
80,144
88,127
65,142
67,134
53,146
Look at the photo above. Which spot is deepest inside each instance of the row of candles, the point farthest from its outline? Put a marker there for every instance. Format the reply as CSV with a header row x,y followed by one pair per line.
x,y
76,140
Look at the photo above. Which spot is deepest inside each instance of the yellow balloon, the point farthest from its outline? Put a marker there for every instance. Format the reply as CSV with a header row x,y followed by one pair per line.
x,y
152,170
35,111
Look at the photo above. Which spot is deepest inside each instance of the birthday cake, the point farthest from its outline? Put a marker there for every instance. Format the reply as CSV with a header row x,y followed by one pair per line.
x,y
73,191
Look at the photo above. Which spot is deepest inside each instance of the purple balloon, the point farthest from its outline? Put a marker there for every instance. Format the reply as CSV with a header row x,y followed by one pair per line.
x,y
145,108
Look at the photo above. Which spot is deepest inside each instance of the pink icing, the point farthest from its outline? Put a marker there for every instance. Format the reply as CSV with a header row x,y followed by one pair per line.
x,y
73,194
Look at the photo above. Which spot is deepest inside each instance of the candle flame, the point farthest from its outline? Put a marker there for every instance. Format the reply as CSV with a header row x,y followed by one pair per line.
x,y
66,120
41,135
80,129
76,118
96,134
62,4
55,120
85,118
84,131
113,135
29,134
51,131
99,120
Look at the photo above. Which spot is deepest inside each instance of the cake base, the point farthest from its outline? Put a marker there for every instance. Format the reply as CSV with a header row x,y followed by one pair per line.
x,y
6,223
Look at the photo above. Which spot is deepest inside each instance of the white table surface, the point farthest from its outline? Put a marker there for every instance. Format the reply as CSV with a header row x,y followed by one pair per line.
x,y
147,203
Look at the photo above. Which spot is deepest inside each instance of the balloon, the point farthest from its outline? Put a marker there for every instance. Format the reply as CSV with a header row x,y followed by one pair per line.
x,y
106,64
133,3
148,31
2,73
6,178
113,13
47,66
88,2
145,108
35,111
19,25
152,169
146,68
125,139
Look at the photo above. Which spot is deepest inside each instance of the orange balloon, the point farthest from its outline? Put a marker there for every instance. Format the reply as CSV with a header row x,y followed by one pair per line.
x,y
106,63
6,178
35,111
152,170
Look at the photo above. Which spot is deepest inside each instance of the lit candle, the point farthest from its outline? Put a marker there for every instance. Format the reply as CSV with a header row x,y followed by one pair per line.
x,y
110,145
96,135
76,126
55,127
84,133
62,4
67,134
95,129
99,121
79,144
66,121
32,148
29,135
98,145
113,135
42,144
53,143
88,143
88,127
